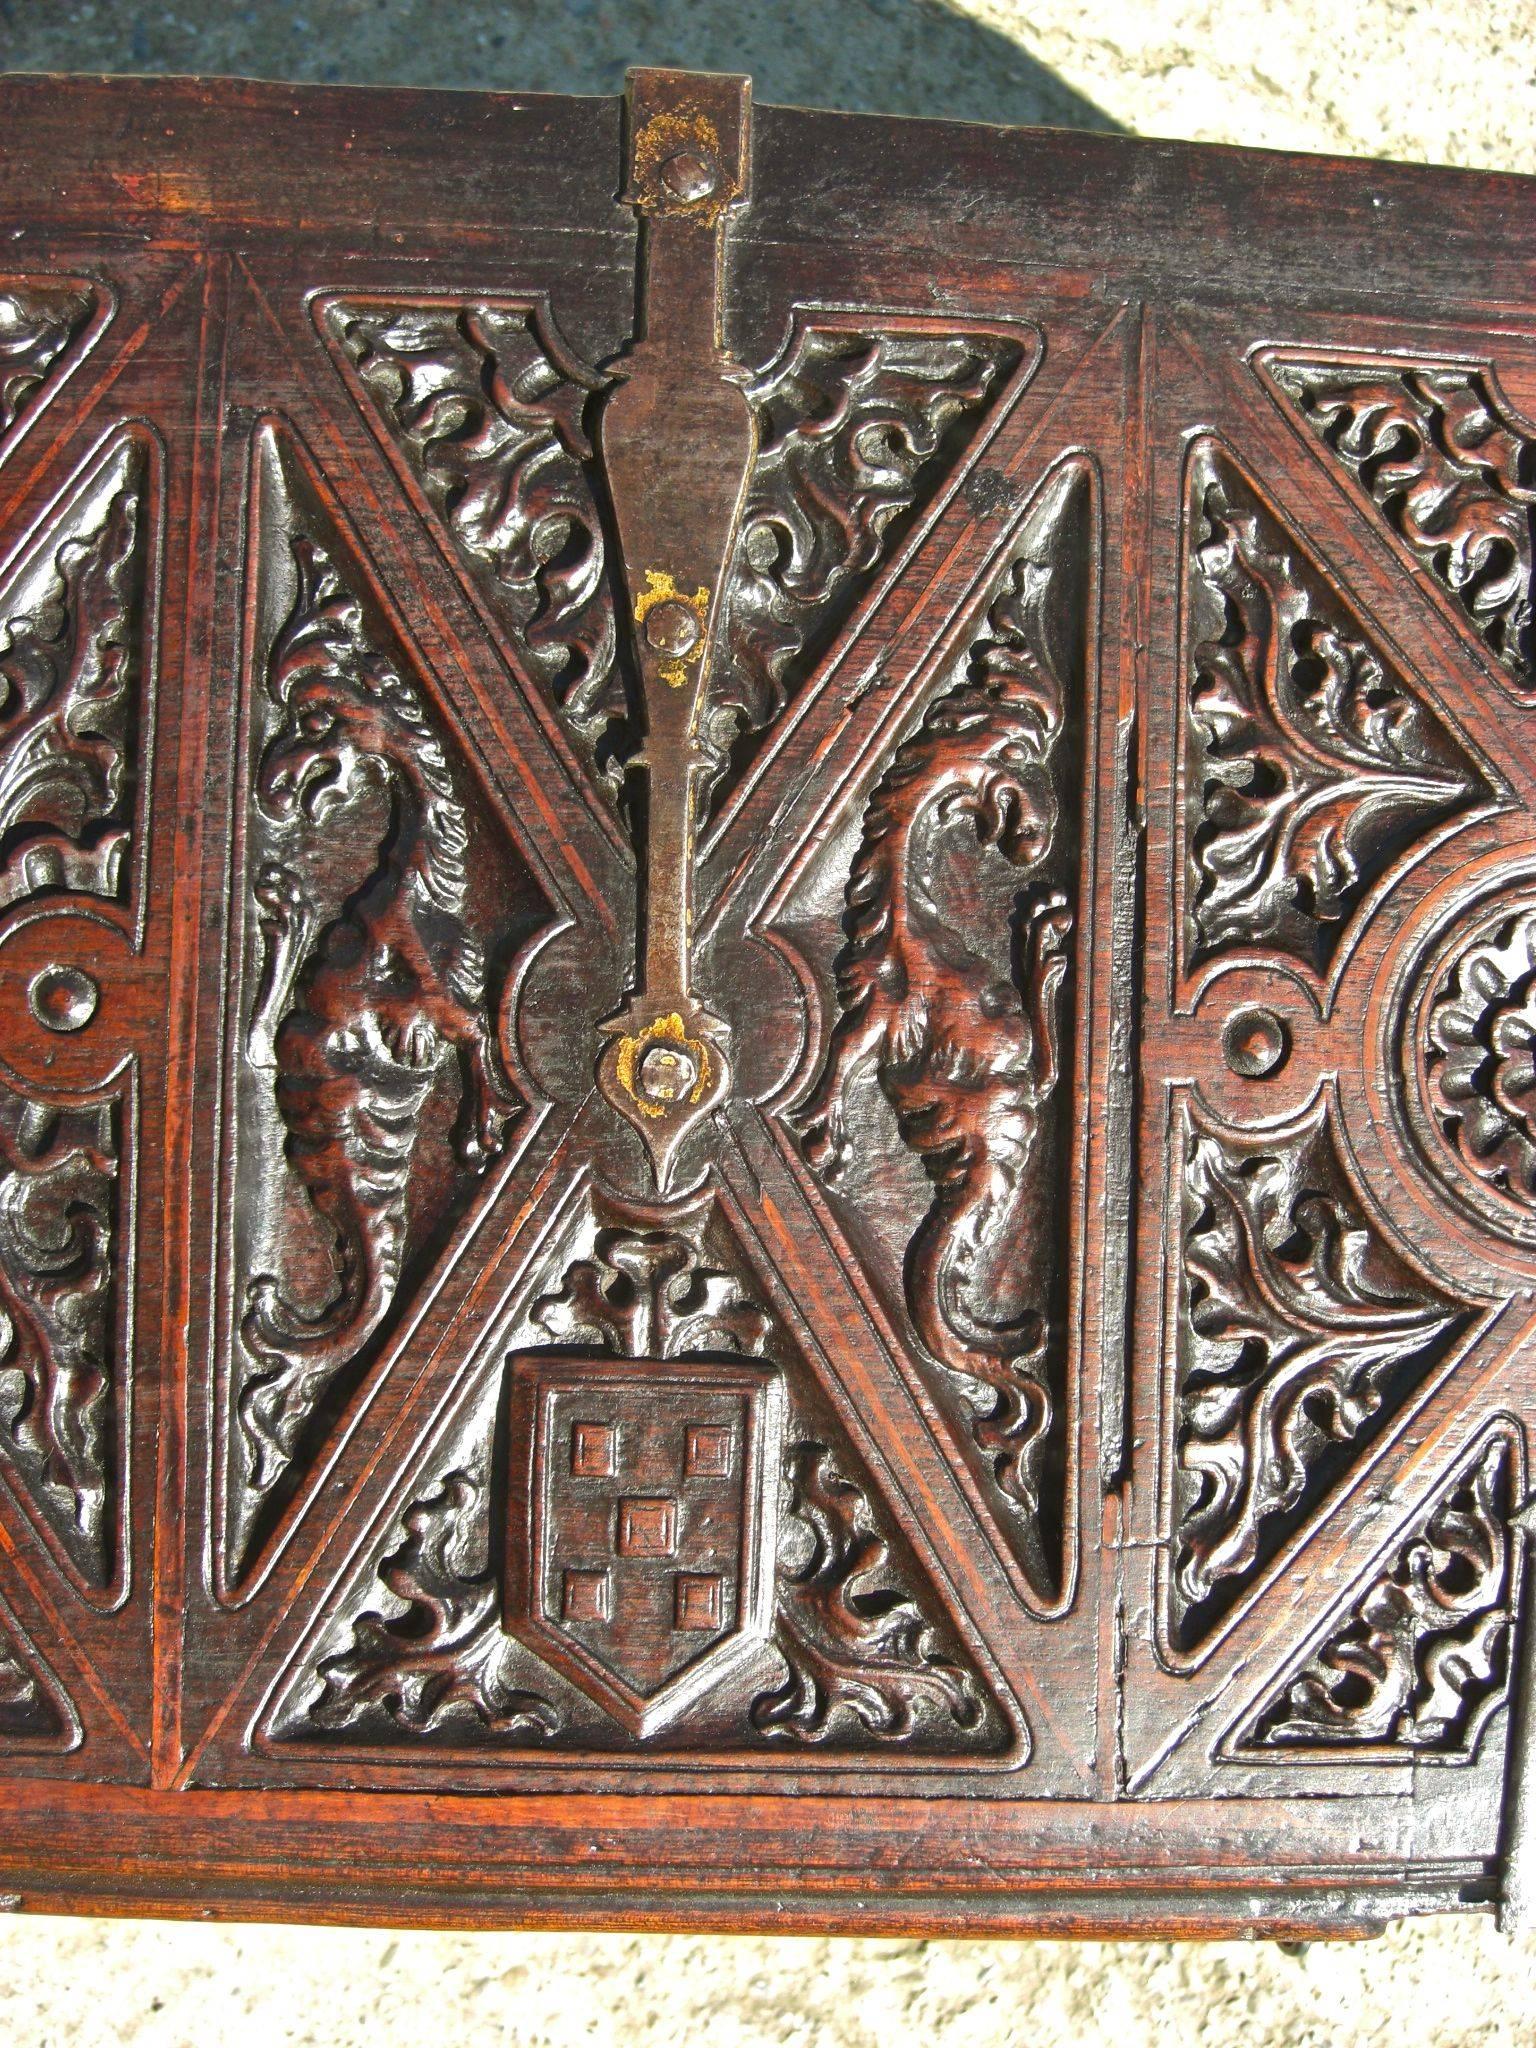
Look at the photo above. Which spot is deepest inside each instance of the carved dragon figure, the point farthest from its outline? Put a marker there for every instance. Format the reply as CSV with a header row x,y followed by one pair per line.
x,y
965,1063
357,1025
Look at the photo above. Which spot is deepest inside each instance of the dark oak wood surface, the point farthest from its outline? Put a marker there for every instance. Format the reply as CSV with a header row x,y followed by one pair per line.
x,y
768,970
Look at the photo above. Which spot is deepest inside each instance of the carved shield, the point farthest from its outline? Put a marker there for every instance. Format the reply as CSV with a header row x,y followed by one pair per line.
x,y
643,1524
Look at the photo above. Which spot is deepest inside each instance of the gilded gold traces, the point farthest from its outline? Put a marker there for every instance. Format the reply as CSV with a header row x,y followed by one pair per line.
x,y
689,1062
661,589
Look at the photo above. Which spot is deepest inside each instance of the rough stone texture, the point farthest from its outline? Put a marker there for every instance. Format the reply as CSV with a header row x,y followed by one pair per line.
x,y
1424,79
1454,1983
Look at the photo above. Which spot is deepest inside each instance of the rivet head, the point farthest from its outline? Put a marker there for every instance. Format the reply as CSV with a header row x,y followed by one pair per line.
x,y
63,998
1255,1043
672,627
667,1073
689,176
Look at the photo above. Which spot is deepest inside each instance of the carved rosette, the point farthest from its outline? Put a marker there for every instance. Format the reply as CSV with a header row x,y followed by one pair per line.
x,y
1312,760
1451,468
1299,1332
1416,1660
963,1020
1470,1060
858,1652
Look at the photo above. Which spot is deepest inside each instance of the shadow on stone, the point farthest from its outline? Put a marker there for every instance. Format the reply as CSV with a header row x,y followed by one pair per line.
x,y
873,56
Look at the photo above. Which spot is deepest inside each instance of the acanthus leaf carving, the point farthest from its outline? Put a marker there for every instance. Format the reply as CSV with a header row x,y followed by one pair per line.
x,y
858,1654
858,1650
70,683
1311,761
60,1372
443,1648
1418,1659
857,423
971,1062
1299,1330
490,412
39,318
1451,469
371,1000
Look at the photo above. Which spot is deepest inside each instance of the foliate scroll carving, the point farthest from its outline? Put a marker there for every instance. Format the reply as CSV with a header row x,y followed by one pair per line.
x,y
369,1050
859,1652
38,321
857,425
1299,1330
1479,1063
1311,762
441,1652
61,1372
1452,470
490,412
28,1712
70,688
969,1049
1419,1659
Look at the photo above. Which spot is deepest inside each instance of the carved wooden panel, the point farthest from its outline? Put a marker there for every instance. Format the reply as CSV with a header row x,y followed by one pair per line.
x,y
768,956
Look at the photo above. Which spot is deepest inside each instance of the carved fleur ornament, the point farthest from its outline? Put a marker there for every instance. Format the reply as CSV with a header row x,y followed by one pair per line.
x,y
767,1018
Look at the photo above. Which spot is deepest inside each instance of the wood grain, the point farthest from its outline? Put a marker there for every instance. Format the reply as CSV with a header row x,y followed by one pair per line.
x,y
768,956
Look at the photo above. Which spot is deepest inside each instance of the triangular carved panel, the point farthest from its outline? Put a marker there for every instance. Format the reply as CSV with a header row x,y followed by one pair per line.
x,y
1312,759
371,1078
860,422
35,1712
1450,467
855,1652
63,1390
940,1122
75,686
1413,1662
1299,1333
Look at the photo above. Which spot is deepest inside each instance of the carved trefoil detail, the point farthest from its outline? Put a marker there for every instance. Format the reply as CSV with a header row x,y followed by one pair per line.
x,y
372,1084
1311,760
967,1026
1299,1330
1471,1056
1413,1663
1450,467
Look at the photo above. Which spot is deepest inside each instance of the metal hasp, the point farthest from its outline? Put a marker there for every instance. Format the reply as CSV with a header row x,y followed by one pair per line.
x,y
677,437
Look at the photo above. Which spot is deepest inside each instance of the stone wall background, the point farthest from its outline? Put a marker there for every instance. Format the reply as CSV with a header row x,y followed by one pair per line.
x,y
1442,81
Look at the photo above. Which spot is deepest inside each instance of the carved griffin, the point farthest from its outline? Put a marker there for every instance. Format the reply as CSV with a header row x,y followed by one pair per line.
x,y
357,1023
967,1060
